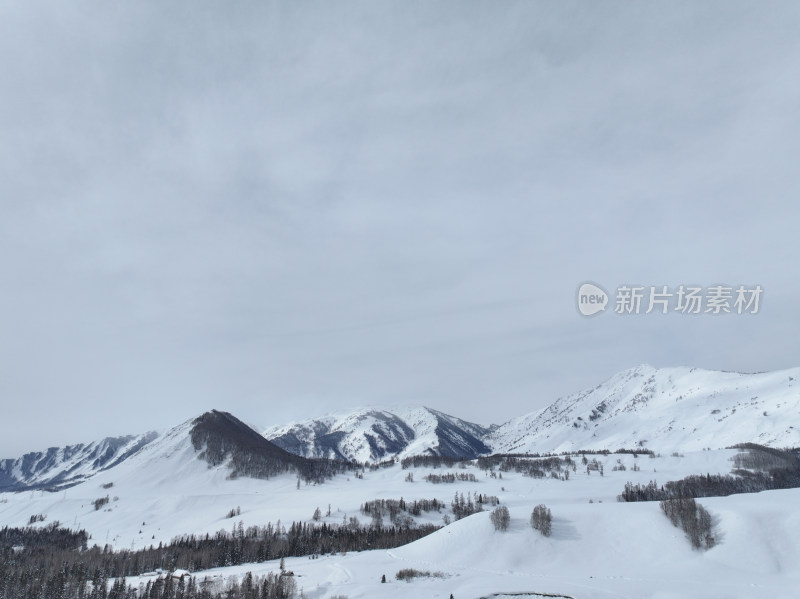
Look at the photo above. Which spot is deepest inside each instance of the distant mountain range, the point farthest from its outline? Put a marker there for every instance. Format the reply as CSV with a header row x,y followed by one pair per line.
x,y
59,467
217,438
661,409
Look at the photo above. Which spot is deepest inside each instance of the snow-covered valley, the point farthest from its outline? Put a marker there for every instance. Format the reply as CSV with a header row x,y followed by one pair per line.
x,y
599,547
214,475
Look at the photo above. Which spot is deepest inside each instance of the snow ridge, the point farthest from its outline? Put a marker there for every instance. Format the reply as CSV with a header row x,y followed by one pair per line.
x,y
373,434
61,467
666,408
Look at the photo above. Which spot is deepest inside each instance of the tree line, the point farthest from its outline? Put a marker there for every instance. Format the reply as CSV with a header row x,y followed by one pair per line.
x,y
393,508
713,485
52,562
432,461
757,468
472,504
450,477
556,466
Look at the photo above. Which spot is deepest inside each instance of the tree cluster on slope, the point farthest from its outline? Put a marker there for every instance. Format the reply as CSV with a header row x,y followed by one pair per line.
x,y
35,540
535,467
431,461
692,518
472,504
542,519
500,518
451,477
767,469
394,508
764,459
711,485
409,574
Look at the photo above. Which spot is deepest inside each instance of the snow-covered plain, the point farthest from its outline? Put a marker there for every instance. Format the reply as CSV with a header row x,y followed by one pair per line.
x,y
598,549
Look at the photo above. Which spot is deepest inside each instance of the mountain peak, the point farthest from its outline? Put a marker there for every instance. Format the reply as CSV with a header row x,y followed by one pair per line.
x,y
377,433
219,438
663,408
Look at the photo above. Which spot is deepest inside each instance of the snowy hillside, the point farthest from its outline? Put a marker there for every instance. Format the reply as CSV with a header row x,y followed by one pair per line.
x,y
642,554
184,481
370,434
60,467
667,408
171,491
213,442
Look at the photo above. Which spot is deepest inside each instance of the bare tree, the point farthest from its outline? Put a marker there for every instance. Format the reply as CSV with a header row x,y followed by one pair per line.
x,y
500,518
542,519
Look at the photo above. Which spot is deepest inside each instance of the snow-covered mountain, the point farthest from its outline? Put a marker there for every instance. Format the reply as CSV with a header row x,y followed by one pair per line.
x,y
665,408
222,440
206,477
60,467
187,480
370,434
214,440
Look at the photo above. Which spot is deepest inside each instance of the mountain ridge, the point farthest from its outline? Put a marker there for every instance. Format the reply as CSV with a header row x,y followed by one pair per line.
x,y
59,467
375,434
664,409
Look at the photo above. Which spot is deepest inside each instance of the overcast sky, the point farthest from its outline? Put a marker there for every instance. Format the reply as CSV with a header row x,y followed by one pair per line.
x,y
281,209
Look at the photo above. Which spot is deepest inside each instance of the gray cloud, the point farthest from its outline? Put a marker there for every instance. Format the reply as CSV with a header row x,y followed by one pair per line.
x,y
284,208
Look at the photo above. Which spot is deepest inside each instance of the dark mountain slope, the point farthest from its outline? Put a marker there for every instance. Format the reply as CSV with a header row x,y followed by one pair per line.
x,y
220,438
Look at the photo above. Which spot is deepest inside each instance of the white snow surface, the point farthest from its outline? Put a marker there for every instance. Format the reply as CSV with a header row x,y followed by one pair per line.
x,y
665,408
600,549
